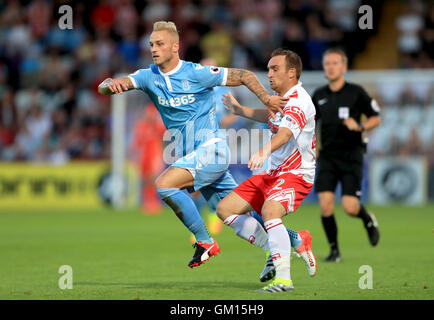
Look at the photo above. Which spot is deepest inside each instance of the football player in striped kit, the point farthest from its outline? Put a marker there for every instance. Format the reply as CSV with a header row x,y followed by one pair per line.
x,y
280,189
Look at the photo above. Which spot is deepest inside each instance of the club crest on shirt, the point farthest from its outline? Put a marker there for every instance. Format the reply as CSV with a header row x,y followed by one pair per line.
x,y
185,85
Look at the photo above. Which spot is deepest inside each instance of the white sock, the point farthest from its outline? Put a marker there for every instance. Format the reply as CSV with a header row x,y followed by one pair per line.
x,y
283,268
280,247
249,229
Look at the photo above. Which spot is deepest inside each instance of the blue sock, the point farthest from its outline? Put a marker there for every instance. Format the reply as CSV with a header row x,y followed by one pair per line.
x,y
199,203
185,209
293,235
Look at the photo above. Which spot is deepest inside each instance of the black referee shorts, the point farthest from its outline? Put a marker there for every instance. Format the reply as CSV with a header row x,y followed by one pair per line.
x,y
344,167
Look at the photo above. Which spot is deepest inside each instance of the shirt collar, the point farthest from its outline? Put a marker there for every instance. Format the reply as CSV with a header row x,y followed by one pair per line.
x,y
292,89
178,66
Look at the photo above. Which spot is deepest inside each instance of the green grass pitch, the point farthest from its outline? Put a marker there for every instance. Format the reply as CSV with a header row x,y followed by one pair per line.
x,y
128,255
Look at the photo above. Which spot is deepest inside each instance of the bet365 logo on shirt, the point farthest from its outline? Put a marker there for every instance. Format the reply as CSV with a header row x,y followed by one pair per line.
x,y
177,101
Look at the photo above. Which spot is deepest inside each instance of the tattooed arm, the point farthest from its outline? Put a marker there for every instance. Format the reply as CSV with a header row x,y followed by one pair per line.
x,y
110,86
237,77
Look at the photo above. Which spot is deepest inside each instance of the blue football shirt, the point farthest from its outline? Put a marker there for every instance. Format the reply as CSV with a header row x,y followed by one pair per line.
x,y
185,99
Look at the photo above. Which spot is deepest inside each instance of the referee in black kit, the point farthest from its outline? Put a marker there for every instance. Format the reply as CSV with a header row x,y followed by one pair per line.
x,y
339,107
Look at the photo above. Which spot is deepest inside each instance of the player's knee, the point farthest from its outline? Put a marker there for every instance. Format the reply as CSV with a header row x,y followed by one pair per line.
x,y
272,210
326,203
223,210
268,214
327,208
159,183
351,209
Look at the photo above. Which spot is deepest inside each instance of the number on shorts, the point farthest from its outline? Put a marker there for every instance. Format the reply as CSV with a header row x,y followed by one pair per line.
x,y
277,186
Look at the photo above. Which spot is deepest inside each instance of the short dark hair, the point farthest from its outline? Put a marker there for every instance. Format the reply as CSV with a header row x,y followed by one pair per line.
x,y
338,51
292,60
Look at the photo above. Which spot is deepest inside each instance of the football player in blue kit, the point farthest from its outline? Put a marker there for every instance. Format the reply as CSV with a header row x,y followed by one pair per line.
x,y
183,94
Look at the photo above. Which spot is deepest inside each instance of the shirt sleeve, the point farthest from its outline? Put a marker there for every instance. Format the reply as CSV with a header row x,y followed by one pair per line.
x,y
367,105
294,119
209,76
139,78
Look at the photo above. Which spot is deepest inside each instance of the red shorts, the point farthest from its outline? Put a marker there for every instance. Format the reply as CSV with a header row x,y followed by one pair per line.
x,y
288,189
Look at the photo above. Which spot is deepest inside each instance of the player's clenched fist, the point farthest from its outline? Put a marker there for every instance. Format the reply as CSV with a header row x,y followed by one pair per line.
x,y
276,104
111,86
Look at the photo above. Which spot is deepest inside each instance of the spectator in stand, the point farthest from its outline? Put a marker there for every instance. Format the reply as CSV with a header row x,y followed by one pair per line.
x,y
413,146
34,130
428,32
103,15
410,23
217,44
294,37
126,18
39,13
191,47
8,121
317,41
157,10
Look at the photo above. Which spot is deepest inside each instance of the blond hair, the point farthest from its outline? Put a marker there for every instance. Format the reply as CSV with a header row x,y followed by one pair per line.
x,y
169,26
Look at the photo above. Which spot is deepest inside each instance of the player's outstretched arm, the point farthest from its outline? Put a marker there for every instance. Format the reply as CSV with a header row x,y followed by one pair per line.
x,y
278,140
231,104
111,86
237,77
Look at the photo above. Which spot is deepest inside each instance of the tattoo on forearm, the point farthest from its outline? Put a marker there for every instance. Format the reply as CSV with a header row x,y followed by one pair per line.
x,y
235,77
238,77
127,81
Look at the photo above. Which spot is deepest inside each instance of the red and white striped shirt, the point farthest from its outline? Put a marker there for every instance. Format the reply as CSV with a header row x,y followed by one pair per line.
x,y
298,154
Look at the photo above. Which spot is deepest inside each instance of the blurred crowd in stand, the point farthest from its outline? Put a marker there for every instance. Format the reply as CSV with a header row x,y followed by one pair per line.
x,y
49,107
416,34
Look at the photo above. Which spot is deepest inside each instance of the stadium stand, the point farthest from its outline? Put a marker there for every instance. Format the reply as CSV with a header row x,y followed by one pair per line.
x,y
50,110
